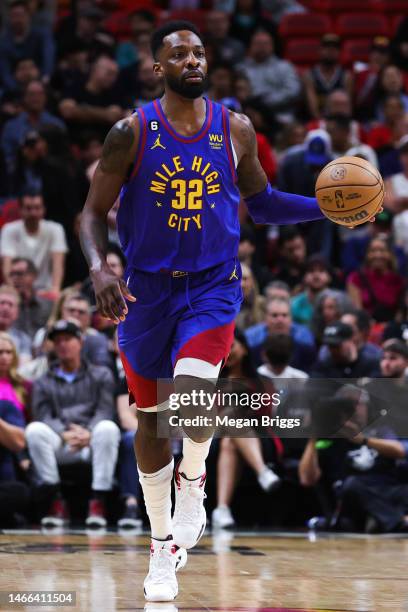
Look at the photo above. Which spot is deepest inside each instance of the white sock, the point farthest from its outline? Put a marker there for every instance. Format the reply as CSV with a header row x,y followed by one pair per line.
x,y
157,495
194,456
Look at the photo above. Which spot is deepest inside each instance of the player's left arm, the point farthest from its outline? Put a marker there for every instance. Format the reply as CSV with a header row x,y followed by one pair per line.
x,y
265,204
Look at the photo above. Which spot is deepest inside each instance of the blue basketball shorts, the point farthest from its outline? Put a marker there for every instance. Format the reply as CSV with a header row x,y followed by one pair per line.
x,y
176,316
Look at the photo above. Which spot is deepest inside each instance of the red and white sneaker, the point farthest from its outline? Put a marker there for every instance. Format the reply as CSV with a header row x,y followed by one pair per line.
x,y
189,517
96,514
58,515
165,560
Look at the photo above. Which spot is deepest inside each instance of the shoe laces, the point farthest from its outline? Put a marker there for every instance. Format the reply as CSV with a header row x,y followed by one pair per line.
x,y
162,565
189,503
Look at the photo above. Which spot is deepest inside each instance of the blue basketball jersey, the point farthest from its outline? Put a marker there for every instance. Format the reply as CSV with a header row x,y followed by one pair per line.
x,y
179,208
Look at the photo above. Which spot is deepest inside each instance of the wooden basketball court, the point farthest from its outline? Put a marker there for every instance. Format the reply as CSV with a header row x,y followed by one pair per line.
x,y
242,573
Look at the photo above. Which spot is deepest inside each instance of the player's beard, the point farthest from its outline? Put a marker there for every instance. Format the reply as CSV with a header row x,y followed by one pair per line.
x,y
186,89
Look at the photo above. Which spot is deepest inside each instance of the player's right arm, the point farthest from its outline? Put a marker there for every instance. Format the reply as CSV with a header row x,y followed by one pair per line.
x,y
114,167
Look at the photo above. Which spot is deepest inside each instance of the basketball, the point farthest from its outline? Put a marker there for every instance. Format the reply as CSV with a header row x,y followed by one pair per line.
x,y
349,191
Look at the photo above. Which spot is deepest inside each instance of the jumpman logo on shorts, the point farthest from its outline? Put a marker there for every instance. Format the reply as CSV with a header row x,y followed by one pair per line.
x,y
157,143
234,274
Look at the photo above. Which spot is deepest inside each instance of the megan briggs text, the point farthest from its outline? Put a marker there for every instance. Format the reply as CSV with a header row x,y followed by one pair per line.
x,y
227,421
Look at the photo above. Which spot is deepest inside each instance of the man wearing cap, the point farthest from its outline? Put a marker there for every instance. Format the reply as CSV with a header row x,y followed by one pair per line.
x,y
73,408
317,277
326,76
33,117
344,359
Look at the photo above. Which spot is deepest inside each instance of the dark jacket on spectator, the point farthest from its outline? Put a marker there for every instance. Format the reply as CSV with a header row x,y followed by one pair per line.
x,y
85,401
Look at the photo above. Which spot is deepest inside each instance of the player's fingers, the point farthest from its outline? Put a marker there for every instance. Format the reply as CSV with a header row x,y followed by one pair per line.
x,y
103,307
126,293
117,304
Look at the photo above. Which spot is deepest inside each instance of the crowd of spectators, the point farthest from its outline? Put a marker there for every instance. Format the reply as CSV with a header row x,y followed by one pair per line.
x,y
321,303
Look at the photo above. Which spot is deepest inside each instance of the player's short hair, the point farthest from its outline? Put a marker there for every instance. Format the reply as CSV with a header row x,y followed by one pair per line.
x,y
168,28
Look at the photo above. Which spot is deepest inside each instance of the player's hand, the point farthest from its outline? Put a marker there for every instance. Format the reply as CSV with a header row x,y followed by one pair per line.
x,y
111,294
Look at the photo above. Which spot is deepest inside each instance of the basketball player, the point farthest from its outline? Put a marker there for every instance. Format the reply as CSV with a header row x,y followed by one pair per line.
x,y
180,165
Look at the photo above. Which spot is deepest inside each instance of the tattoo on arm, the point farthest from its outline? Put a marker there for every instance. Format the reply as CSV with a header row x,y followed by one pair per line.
x,y
116,149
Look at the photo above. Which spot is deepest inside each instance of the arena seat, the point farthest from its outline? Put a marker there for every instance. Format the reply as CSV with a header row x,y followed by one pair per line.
x,y
304,24
356,50
354,25
118,25
196,16
395,23
392,6
303,52
315,6
348,6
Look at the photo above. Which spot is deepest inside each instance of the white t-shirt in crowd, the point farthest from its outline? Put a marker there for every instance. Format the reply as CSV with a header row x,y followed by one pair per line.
x,y
288,372
400,222
16,242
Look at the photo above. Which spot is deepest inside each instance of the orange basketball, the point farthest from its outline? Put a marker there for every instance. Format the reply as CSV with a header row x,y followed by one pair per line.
x,y
349,191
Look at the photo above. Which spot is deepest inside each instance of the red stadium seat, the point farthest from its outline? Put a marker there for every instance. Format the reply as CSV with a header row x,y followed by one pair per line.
x,y
354,25
304,24
356,50
196,16
118,24
315,6
348,6
303,52
395,23
392,6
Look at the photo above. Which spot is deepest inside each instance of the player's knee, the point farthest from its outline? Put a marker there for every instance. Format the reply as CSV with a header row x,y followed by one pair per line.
x,y
147,425
227,445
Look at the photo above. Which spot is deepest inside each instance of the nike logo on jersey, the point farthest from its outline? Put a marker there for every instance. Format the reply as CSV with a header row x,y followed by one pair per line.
x,y
157,144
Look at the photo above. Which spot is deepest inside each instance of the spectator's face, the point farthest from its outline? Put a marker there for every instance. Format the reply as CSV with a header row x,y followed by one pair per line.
x,y
221,80
146,74
339,103
393,365
294,251
237,353
392,81
393,110
261,47
317,278
8,310
86,27
67,347
242,90
378,59
329,54
139,25
278,319
378,256
344,353
330,310
92,151
247,281
115,264
104,72
245,250
79,310
20,277
217,25
26,71
340,136
19,20
35,98
6,356
32,209
358,336
277,292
